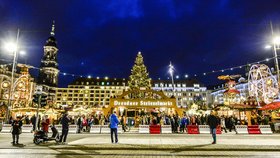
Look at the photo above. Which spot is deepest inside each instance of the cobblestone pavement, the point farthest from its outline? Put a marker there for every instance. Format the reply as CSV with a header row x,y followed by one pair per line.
x,y
43,153
145,145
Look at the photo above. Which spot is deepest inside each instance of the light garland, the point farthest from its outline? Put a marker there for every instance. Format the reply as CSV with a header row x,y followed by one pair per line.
x,y
195,75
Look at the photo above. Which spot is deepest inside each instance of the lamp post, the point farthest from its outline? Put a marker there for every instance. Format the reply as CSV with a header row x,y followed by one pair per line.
x,y
276,43
13,48
171,71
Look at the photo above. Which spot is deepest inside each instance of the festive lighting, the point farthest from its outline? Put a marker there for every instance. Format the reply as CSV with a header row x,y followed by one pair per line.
x,y
171,69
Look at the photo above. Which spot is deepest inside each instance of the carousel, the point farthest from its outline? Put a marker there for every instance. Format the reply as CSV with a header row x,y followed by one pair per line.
x,y
235,104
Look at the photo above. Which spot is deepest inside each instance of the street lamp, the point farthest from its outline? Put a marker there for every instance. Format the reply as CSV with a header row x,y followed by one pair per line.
x,y
171,71
276,45
12,47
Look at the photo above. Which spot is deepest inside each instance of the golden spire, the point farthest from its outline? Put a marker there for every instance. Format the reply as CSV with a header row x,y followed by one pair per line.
x,y
52,32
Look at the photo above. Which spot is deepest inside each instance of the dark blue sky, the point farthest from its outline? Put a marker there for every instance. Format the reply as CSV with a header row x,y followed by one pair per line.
x,y
102,38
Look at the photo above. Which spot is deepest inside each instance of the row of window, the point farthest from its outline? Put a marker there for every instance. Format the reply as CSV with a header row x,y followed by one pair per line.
x,y
101,83
175,85
83,99
85,91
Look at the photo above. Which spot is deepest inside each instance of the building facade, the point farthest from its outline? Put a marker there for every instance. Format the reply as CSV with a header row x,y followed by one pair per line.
x,y
98,91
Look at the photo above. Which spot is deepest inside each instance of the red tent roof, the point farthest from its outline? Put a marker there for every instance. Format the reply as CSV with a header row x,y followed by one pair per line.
x,y
234,91
271,106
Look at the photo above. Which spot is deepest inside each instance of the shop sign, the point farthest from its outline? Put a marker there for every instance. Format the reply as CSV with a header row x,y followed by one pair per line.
x,y
143,103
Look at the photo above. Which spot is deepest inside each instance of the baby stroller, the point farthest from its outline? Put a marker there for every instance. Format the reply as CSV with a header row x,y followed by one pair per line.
x,y
40,136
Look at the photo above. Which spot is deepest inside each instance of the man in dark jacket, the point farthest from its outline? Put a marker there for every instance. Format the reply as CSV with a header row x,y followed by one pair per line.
x,y
213,123
16,130
33,121
114,121
65,127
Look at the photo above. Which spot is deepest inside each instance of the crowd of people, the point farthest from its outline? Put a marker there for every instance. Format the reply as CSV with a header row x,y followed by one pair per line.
x,y
178,124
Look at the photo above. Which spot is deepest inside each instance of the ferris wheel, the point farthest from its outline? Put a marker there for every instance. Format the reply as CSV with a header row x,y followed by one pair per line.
x,y
262,84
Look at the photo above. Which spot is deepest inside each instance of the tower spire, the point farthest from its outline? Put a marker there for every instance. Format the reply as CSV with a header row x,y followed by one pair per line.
x,y
53,27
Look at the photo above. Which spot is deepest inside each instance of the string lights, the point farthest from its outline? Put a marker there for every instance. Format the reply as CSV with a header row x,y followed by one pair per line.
x,y
195,75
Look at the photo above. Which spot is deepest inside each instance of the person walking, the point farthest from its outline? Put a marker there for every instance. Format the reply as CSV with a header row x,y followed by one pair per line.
x,y
123,123
65,127
213,123
114,126
16,130
223,124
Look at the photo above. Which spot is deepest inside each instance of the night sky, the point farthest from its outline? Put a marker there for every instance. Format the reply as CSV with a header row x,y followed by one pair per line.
x,y
102,38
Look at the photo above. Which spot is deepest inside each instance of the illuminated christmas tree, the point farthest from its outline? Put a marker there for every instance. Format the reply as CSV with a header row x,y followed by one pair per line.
x,y
139,77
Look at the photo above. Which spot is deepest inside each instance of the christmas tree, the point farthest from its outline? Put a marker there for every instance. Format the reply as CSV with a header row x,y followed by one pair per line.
x,y
139,77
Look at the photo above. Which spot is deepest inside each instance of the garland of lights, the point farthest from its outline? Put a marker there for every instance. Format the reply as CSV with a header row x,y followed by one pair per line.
x,y
195,75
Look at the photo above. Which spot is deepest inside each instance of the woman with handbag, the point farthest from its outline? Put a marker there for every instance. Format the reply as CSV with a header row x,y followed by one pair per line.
x,y
16,130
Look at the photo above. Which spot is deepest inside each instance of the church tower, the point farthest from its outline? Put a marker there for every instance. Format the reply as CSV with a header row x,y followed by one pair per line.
x,y
48,74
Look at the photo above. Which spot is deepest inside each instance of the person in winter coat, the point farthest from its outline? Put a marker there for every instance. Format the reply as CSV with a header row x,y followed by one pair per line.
x,y
183,124
65,128
45,124
114,121
33,121
213,123
223,123
16,130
